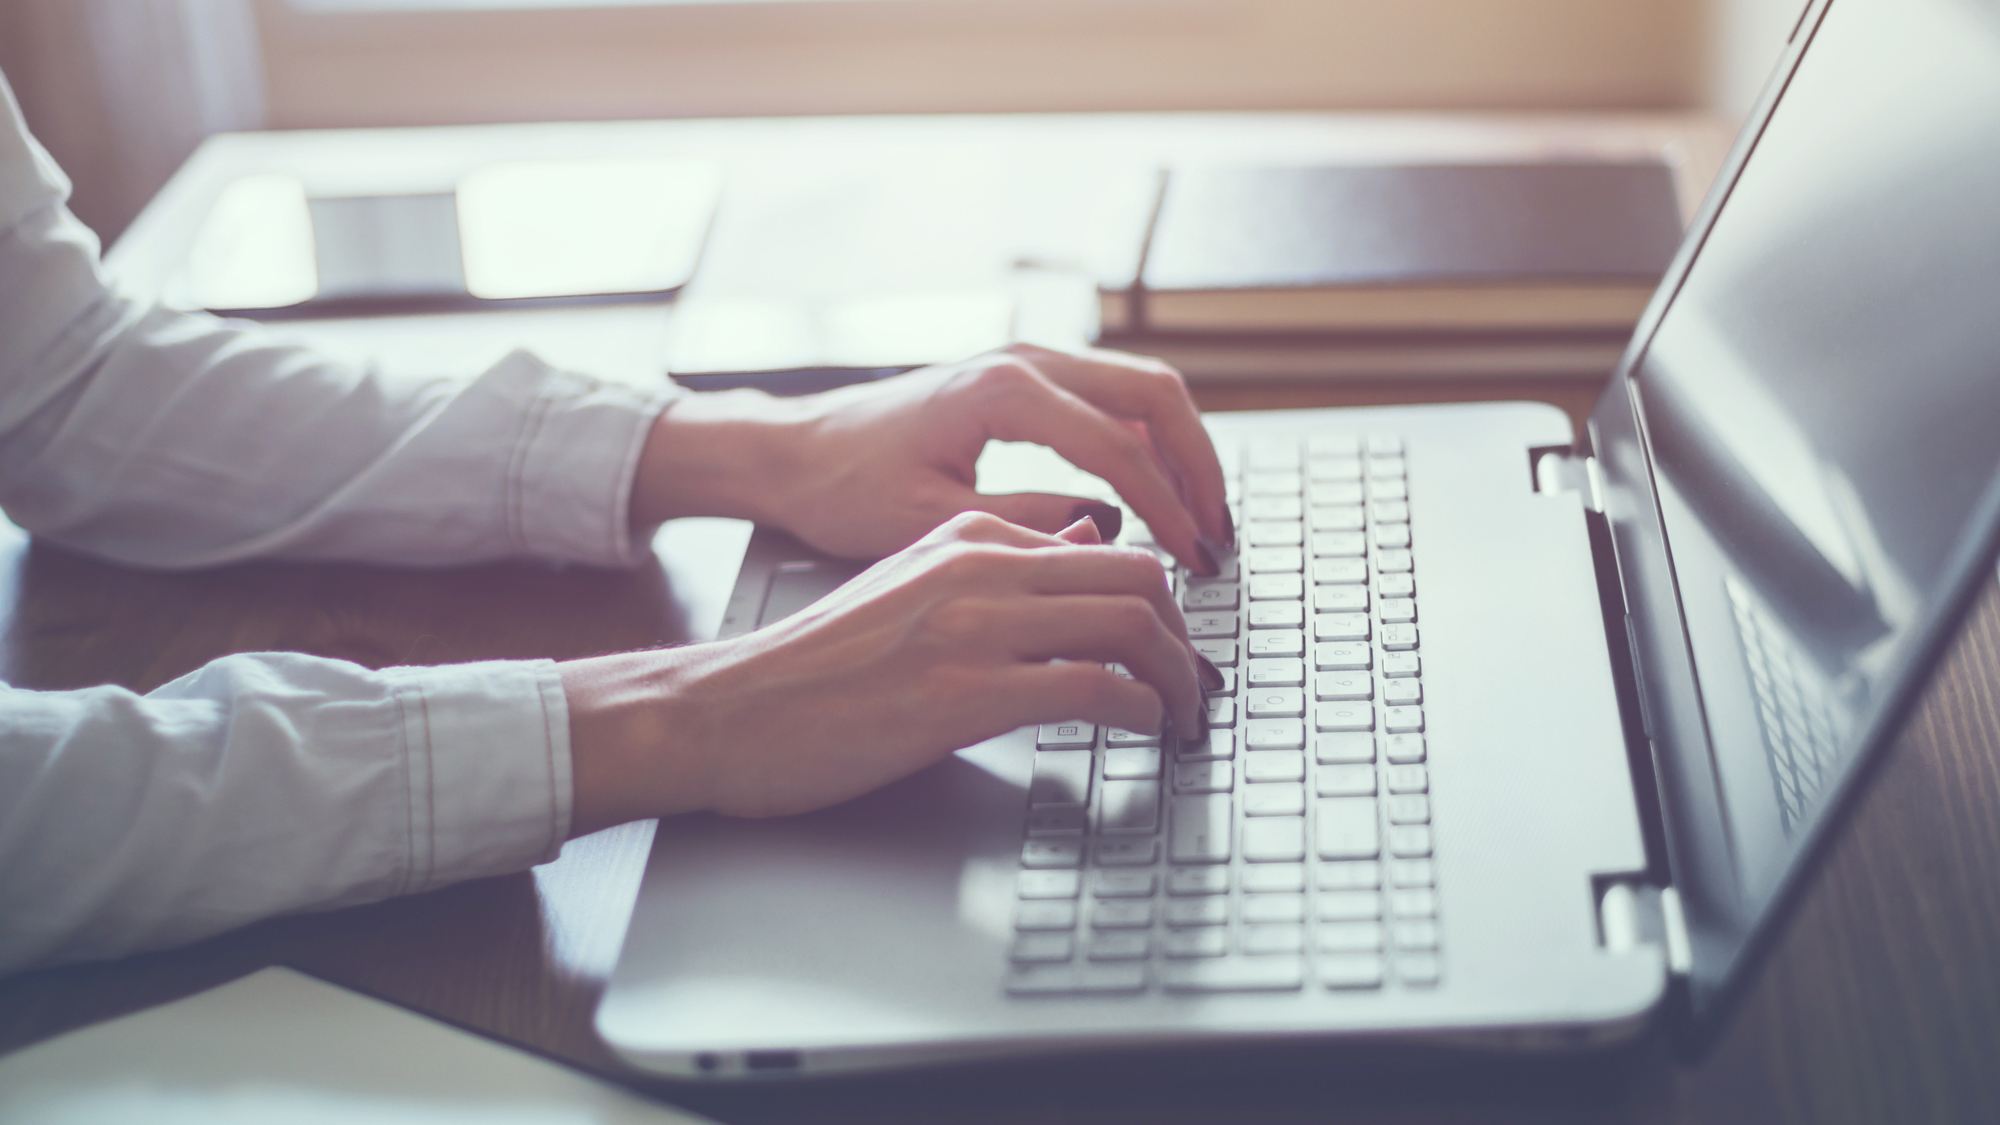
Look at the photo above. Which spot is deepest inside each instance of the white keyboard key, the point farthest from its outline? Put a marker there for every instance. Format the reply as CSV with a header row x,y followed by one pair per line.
x,y
1383,467
1402,693
1346,781
1399,638
1417,934
1273,508
1264,940
1410,778
1274,533
1394,562
1272,484
1413,902
1274,878
1389,511
1342,656
1210,910
1339,544
1276,615
1129,808
1344,747
1392,536
1410,840
1403,720
1274,765
1272,453
1347,828
1277,587
1275,703
1274,672
1131,763
1205,942
1110,978
1183,881
1331,470
1396,585
1061,779
1276,642
1412,872
1273,908
1409,808
1349,906
1115,737
1201,829
1333,445
1274,734
1045,916
1204,777
1126,853
1055,822
1394,611
1052,853
1222,654
1388,489
1209,596
1042,980
1116,946
1121,914
1345,686
1329,572
1350,875
1207,626
1417,970
1218,745
1041,949
1350,970
1401,664
1340,599
1402,748
1337,517
1048,884
1341,627
1284,799
1124,884
1277,839
1385,445
1344,716
1349,937
1277,973
1275,560
1066,736
1221,712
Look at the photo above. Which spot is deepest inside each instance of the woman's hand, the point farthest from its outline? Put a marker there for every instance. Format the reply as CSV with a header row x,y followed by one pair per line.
x,y
867,470
979,628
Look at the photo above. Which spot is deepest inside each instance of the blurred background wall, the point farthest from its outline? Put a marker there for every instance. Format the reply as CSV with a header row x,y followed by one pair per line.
x,y
122,90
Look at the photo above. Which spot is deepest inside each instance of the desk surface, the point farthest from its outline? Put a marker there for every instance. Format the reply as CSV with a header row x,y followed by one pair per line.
x,y
1882,1003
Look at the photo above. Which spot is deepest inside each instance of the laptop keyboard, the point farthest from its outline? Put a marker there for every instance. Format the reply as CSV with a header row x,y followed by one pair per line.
x,y
1802,725
1292,847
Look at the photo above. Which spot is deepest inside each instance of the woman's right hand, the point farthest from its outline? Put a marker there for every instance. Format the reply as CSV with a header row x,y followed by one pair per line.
x,y
976,629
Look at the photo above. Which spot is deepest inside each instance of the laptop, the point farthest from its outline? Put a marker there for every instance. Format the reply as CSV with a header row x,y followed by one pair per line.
x,y
1533,736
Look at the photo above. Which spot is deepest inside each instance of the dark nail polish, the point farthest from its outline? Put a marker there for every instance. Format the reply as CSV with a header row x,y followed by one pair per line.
x,y
1206,557
1228,527
1107,518
1208,673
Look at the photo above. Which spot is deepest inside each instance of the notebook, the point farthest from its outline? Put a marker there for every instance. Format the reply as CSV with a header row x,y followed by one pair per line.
x,y
1533,735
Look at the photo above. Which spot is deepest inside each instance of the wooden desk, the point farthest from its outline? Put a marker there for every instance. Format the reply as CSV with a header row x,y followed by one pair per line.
x,y
1883,1004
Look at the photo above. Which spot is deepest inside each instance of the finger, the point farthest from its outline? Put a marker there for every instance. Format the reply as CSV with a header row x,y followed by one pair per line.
x,y
1124,570
1091,693
1097,627
1046,511
1150,391
1027,406
1083,533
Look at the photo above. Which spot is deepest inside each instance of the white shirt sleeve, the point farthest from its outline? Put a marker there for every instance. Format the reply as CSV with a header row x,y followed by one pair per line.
x,y
270,783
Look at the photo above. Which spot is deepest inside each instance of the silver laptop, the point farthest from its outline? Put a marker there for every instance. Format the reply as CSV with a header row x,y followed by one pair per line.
x,y
1531,736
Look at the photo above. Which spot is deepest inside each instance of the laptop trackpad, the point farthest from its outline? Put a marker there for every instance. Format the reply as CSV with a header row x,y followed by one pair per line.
x,y
796,585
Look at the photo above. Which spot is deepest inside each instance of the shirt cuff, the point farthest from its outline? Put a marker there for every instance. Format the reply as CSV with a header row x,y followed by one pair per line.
x,y
569,479
486,747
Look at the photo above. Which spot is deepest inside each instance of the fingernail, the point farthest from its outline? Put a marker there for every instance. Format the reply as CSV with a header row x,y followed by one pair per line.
x,y
1208,673
1107,518
1228,527
1206,557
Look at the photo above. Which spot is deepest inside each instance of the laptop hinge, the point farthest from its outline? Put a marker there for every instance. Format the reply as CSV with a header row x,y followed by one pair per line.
x,y
1560,468
1631,914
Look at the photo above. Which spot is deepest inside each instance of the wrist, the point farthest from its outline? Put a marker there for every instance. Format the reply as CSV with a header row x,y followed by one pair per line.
x,y
638,741
727,453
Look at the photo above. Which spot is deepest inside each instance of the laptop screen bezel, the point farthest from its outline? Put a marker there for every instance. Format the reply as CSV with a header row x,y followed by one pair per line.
x,y
1719,980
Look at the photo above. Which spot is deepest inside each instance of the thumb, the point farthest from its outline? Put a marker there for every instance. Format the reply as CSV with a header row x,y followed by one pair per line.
x,y
1049,513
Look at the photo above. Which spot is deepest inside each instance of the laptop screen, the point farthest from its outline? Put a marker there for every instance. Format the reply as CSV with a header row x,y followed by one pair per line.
x,y
1821,406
